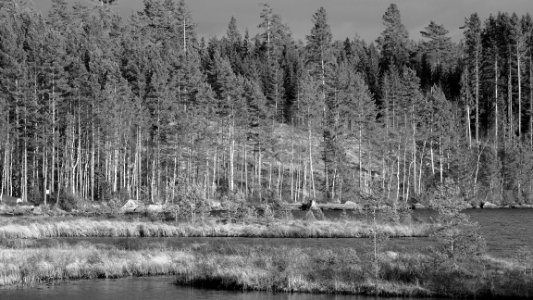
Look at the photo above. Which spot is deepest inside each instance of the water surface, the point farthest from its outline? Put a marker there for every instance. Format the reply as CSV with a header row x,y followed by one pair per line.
x,y
153,288
505,231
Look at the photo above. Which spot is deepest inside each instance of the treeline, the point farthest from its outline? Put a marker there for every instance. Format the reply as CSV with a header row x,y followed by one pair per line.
x,y
97,107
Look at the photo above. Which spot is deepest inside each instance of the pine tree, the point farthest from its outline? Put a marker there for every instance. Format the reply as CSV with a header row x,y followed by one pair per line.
x,y
274,33
490,41
233,34
357,113
310,104
528,30
439,45
518,39
394,40
437,52
320,56
474,53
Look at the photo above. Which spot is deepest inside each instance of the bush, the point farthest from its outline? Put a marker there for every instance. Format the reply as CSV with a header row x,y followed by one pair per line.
x,y
122,195
189,202
268,212
457,235
250,213
104,190
115,205
35,196
310,216
68,201
286,214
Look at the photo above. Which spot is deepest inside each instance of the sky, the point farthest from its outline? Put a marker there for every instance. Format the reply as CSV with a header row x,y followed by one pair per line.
x,y
347,18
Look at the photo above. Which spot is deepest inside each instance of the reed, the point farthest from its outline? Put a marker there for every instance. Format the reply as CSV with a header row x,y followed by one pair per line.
x,y
344,271
81,227
277,269
32,266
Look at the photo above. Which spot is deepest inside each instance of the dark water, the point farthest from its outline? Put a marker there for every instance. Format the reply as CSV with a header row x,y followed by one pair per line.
x,y
505,231
154,288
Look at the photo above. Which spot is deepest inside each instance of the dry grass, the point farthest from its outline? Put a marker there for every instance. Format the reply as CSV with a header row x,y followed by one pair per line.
x,y
283,229
31,266
279,269
346,272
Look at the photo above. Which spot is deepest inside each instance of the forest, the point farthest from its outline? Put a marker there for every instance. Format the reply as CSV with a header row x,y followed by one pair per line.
x,y
96,107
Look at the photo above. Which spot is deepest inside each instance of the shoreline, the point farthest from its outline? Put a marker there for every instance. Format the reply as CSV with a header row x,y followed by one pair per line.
x,y
102,211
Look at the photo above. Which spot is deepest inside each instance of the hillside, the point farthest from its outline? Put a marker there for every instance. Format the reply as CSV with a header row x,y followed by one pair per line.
x,y
95,108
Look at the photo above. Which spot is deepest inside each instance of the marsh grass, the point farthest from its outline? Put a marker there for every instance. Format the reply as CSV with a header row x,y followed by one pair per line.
x,y
80,227
344,271
275,269
33,266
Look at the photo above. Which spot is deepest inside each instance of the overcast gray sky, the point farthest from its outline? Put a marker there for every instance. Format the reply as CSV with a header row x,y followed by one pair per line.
x,y
346,17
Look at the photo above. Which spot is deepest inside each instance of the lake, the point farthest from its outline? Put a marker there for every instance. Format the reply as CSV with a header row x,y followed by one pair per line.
x,y
154,288
505,230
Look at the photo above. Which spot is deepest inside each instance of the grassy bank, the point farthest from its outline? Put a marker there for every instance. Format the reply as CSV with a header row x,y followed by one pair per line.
x,y
278,269
290,229
346,272
32,266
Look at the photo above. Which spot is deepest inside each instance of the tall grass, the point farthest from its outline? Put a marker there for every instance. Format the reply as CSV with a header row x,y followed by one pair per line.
x,y
283,229
278,269
347,272
31,266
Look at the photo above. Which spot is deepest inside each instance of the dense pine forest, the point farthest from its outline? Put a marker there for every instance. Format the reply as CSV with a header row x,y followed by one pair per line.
x,y
95,107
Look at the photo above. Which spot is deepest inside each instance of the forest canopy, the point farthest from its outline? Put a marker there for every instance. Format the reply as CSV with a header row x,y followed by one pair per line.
x,y
96,107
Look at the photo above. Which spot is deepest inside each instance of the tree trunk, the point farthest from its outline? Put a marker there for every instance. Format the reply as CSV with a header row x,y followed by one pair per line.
x,y
52,172
360,155
259,173
477,95
45,175
231,156
531,98
24,183
441,163
398,174
510,101
431,149
245,169
280,180
468,127
291,169
496,114
420,167
184,36
414,149
214,184
408,182
311,172
174,179
519,75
